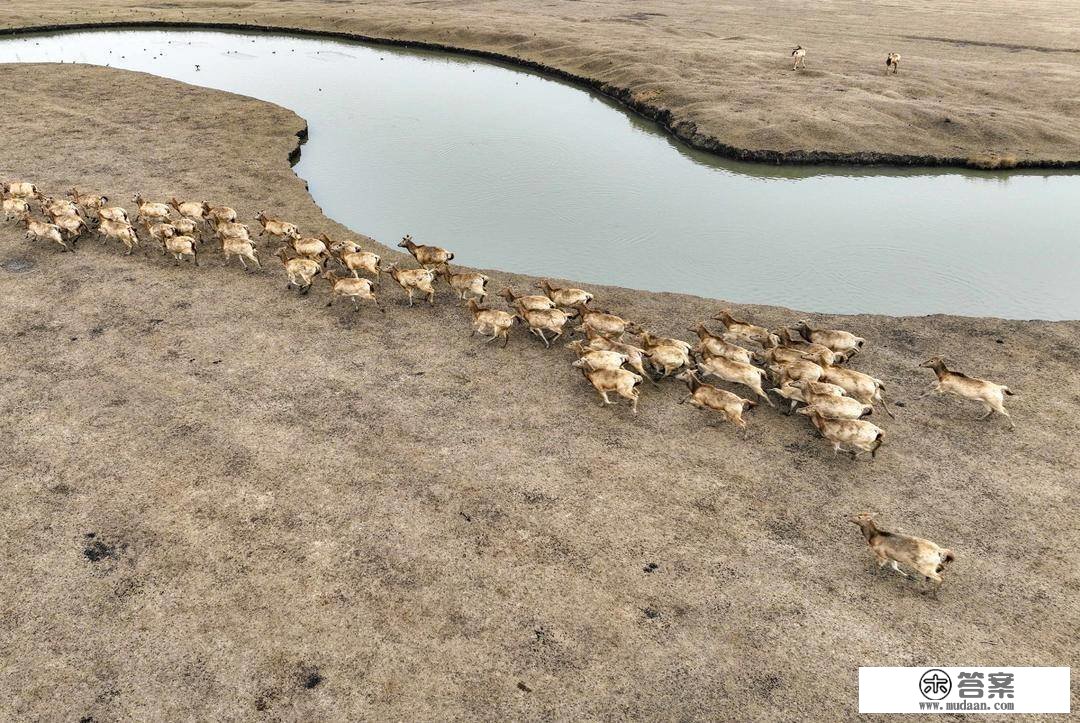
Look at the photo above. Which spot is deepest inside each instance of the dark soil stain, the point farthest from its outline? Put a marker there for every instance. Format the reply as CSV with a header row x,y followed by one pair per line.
x,y
96,551
767,684
536,498
310,677
17,266
265,699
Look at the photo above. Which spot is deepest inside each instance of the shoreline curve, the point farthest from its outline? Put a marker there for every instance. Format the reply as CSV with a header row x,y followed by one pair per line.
x,y
684,131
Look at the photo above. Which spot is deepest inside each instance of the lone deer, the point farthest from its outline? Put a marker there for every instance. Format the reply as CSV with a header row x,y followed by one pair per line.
x,y
989,394
894,549
799,53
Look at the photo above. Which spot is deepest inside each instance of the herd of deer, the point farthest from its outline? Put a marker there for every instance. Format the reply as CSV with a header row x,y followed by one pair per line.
x,y
804,368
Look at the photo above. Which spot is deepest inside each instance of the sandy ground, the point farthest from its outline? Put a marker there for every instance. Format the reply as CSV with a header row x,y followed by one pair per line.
x,y
980,80
219,500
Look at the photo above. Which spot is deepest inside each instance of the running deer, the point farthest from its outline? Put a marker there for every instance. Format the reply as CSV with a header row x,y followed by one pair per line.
x,y
861,435
666,355
426,255
710,344
863,387
745,330
44,231
195,210
16,208
112,213
179,247
120,230
635,356
148,210
595,358
990,394
736,373
565,297
353,259
276,228
526,303
241,248
220,214
603,323
464,283
20,189
830,400
835,339
541,321
620,381
414,280
706,396
493,323
301,271
352,288
89,202
894,549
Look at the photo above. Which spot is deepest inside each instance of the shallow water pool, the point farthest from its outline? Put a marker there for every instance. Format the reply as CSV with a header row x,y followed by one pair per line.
x,y
516,171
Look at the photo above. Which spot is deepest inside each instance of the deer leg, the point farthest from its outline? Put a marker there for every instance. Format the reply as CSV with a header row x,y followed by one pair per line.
x,y
761,393
881,398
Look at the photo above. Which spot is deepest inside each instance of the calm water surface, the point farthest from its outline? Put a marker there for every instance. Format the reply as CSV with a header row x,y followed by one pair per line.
x,y
519,172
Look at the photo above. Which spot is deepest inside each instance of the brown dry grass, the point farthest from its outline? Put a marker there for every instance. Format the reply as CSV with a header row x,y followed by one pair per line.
x,y
221,501
979,77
